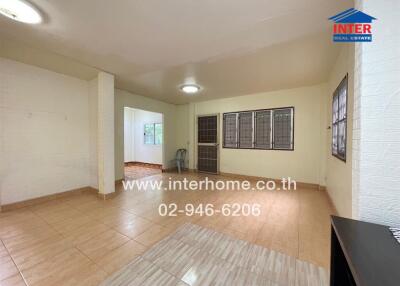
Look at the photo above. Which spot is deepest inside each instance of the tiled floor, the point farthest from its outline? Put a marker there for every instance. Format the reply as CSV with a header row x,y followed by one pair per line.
x,y
134,171
194,255
80,240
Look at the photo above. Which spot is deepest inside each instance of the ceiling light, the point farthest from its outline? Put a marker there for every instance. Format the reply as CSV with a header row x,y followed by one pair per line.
x,y
20,10
190,88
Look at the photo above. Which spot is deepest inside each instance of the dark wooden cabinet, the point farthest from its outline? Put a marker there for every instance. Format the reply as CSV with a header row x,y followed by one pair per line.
x,y
363,254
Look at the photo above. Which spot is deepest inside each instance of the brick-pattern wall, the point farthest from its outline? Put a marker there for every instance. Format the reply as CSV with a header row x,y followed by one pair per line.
x,y
376,151
44,132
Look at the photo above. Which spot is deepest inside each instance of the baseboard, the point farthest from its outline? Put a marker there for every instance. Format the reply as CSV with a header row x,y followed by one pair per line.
x,y
174,170
110,195
43,199
277,181
107,196
143,164
331,202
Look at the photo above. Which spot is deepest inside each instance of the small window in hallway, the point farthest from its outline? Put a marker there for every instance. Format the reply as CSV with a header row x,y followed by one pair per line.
x,y
339,120
153,133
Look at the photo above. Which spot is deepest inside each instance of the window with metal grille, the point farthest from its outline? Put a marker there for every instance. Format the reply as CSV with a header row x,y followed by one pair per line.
x,y
246,130
263,130
339,120
283,128
260,129
230,130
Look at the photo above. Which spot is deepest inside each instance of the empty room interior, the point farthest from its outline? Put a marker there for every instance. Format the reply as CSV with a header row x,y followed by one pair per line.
x,y
199,142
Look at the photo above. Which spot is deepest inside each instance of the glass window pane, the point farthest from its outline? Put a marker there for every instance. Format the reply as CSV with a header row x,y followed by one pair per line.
x,y
230,130
342,102
283,128
335,108
334,139
246,130
263,129
158,133
339,120
342,139
149,134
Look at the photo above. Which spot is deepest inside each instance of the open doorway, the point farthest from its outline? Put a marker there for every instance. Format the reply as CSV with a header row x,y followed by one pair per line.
x,y
143,143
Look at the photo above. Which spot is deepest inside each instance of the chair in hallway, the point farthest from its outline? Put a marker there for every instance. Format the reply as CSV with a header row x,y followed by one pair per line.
x,y
180,157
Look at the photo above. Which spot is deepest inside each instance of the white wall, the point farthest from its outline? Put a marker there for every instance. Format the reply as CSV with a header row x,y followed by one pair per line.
x,y
44,132
305,163
376,164
183,140
129,135
339,173
127,99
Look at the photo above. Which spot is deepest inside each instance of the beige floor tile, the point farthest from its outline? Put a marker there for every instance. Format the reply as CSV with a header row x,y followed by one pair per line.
x,y
121,256
152,235
295,222
15,280
30,239
55,217
7,266
71,224
85,232
134,227
46,249
247,236
12,229
102,244
58,269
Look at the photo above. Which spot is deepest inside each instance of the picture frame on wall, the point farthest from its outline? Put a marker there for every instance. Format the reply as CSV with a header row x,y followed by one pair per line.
x,y
339,120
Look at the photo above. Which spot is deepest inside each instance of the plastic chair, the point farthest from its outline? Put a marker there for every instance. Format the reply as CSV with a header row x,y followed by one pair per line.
x,y
180,159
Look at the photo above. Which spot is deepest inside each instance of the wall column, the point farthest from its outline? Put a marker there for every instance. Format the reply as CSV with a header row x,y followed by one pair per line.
x,y
105,135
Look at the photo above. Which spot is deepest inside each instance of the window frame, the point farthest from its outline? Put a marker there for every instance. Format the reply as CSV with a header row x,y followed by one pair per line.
x,y
271,122
254,129
336,93
154,133
238,131
223,129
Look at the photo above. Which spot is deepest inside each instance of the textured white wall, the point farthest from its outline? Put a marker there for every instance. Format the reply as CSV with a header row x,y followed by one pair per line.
x,y
377,114
44,132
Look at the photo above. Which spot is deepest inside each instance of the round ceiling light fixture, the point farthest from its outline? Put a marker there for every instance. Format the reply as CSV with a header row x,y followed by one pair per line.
x,y
20,10
190,88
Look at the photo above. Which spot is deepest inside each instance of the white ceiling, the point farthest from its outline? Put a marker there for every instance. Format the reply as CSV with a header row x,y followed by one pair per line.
x,y
229,47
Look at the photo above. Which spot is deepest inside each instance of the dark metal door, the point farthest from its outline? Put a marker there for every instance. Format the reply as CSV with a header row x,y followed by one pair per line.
x,y
207,144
